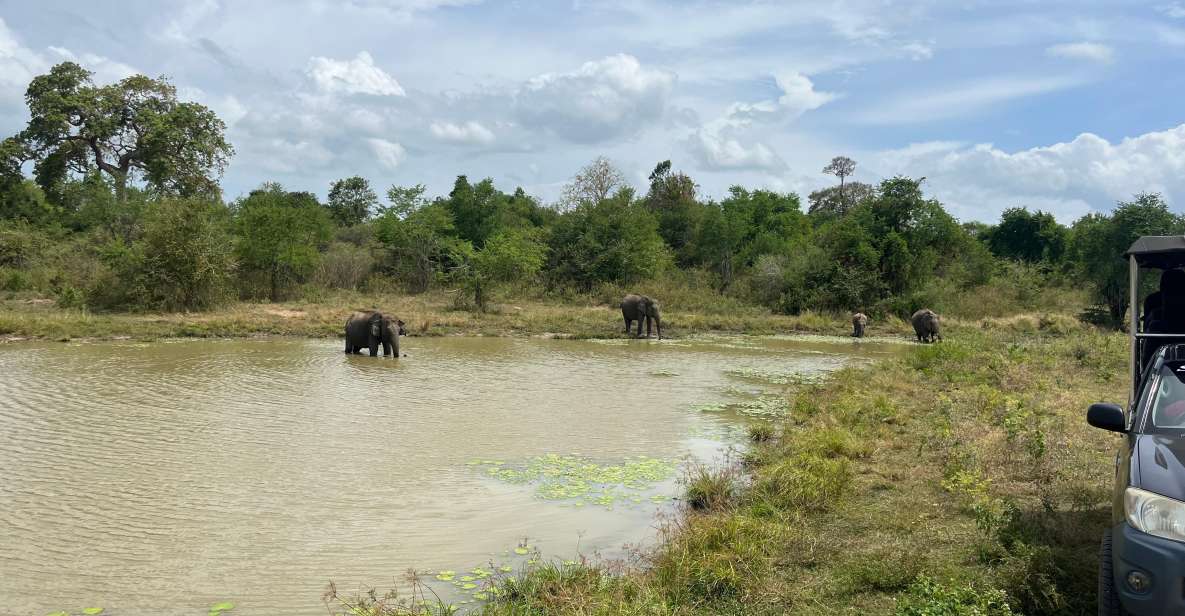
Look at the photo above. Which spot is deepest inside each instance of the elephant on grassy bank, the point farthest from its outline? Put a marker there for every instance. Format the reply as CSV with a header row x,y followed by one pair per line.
x,y
925,325
859,322
367,329
641,308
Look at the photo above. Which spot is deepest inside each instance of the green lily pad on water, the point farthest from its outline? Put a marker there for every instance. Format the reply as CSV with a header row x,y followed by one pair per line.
x,y
446,576
91,611
521,551
58,613
218,608
575,478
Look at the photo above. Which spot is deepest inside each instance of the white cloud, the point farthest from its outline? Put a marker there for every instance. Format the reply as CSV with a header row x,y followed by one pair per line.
x,y
356,76
718,145
388,153
185,21
717,151
1067,178
962,99
228,108
1094,52
1174,10
918,51
603,99
18,64
404,9
469,132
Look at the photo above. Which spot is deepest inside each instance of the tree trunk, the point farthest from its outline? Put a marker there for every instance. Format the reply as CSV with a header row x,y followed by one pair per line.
x,y
275,291
843,206
1118,309
121,186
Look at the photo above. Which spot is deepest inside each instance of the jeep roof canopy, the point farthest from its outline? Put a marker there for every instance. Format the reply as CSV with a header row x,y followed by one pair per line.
x,y
1158,251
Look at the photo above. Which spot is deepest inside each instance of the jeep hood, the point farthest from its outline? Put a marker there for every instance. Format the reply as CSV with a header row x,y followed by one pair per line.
x,y
1160,465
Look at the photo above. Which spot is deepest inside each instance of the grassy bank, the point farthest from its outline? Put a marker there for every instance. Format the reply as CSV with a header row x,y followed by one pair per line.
x,y
689,307
960,478
430,314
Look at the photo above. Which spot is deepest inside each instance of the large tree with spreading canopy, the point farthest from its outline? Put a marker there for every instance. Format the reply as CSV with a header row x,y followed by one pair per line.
x,y
130,130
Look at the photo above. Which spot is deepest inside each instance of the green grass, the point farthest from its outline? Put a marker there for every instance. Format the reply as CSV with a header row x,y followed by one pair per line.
x,y
960,478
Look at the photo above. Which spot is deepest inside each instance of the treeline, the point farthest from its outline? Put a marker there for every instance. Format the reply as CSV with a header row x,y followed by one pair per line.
x,y
121,211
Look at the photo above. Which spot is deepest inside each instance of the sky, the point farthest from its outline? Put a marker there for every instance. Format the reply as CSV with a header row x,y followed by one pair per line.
x,y
1062,106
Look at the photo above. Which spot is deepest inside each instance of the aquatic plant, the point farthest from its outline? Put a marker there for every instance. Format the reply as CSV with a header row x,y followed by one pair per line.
x,y
577,478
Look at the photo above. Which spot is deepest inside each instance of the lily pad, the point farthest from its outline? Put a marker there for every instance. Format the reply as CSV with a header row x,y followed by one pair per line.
x,y
521,551
91,611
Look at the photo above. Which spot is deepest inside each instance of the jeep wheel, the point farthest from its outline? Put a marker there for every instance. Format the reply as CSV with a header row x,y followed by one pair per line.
x,y
1108,597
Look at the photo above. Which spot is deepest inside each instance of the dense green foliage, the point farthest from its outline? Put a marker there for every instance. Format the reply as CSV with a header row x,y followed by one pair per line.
x,y
92,226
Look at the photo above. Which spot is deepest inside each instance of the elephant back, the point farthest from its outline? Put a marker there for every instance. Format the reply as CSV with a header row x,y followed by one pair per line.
x,y
925,321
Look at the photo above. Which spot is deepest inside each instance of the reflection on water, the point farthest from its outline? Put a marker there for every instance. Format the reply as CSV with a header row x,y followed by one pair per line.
x,y
163,478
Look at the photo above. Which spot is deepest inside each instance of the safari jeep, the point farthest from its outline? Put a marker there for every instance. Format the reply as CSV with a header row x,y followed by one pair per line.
x,y
1142,560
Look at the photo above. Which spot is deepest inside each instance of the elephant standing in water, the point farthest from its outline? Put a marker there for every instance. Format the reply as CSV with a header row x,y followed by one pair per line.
x,y
641,308
925,325
369,329
859,322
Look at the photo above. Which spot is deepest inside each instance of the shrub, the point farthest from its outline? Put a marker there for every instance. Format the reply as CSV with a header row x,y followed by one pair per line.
x,y
759,433
926,597
344,266
711,489
188,255
805,481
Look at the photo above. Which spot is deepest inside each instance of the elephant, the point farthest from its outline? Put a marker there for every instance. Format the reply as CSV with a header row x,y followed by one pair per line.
x,y
641,308
369,328
859,322
925,325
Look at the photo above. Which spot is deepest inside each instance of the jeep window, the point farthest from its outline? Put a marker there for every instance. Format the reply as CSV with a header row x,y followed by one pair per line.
x,y
1168,399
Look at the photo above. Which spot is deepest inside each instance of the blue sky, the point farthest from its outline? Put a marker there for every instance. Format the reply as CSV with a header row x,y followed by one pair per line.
x,y
1057,105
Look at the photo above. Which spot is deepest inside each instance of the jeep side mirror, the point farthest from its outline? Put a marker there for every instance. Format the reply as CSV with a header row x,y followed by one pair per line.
x,y
1106,416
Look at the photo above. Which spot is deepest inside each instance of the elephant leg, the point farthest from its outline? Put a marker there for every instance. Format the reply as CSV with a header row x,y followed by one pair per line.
x,y
374,347
639,334
649,323
349,348
395,346
387,348
627,326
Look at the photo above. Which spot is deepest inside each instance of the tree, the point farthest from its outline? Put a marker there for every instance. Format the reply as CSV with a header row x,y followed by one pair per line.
x,y
837,200
672,200
841,167
1028,236
508,256
615,240
417,236
351,201
188,255
1098,241
280,233
592,184
133,128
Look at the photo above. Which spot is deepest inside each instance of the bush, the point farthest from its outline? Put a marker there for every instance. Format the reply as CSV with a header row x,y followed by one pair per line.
x,y
711,489
926,597
188,255
804,482
344,266
183,261
15,280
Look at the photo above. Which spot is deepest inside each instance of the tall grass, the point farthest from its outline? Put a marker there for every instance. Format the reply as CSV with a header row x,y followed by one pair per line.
x,y
959,478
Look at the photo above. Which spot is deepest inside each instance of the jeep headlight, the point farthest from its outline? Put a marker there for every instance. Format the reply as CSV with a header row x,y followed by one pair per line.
x,y
1155,514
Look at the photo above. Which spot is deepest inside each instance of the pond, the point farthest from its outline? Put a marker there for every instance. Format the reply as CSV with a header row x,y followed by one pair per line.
x,y
164,478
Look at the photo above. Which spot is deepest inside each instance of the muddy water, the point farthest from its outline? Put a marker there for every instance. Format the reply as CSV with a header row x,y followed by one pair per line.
x,y
163,478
